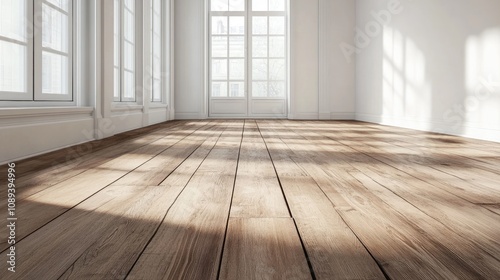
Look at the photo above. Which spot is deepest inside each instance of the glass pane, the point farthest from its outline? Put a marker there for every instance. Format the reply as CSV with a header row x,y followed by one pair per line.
x,y
129,85
116,89
277,25
117,32
219,69
277,46
277,89
129,4
277,69
237,46
259,69
219,5
219,46
237,69
219,25
128,26
237,25
128,56
259,25
63,4
13,19
219,89
157,66
277,5
236,89
259,5
259,46
236,5
259,89
13,67
54,29
54,73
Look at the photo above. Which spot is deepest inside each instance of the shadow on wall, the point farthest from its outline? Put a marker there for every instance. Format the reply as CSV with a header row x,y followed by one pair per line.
x,y
440,66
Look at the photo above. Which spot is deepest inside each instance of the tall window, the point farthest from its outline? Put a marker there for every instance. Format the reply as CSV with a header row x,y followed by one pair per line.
x,y
124,41
248,43
268,48
49,39
228,58
157,50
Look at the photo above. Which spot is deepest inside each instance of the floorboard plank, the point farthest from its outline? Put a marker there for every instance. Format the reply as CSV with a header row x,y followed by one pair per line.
x,y
263,248
257,192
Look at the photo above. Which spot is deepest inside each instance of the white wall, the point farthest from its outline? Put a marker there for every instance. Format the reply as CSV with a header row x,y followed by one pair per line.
x,y
434,65
189,59
322,81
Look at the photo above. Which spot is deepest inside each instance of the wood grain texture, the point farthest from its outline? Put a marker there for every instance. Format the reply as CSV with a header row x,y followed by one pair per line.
x,y
334,250
357,209
154,171
263,248
70,192
188,244
92,235
257,191
220,198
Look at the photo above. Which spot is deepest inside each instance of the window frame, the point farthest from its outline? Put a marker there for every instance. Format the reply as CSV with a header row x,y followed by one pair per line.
x,y
164,59
248,15
28,94
34,63
39,95
228,58
121,65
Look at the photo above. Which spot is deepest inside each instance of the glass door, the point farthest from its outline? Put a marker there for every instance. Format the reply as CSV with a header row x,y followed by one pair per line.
x,y
247,73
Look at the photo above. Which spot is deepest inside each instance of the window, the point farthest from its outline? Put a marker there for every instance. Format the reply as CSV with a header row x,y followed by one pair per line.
x,y
158,61
124,54
248,43
268,48
36,61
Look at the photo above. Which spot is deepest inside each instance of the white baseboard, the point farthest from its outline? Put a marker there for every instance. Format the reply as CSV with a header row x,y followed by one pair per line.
x,y
188,116
344,116
19,142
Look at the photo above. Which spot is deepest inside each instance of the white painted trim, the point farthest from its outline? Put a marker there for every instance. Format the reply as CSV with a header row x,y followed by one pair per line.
x,y
188,116
43,152
171,92
303,116
343,116
51,134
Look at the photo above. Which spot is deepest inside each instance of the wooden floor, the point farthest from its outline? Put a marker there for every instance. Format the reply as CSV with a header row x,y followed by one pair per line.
x,y
247,199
